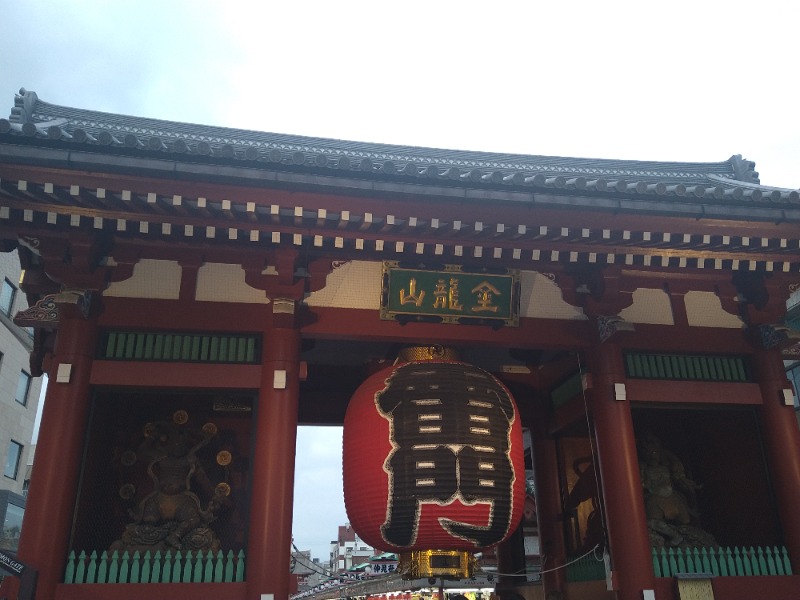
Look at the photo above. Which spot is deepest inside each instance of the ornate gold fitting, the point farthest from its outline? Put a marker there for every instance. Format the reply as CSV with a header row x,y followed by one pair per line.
x,y
432,352
448,564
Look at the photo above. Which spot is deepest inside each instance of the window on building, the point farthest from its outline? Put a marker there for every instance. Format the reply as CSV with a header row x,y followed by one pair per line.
x,y
7,294
793,374
12,460
12,525
23,387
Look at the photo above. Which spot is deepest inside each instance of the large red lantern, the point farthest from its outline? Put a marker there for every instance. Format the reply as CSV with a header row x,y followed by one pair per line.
x,y
433,462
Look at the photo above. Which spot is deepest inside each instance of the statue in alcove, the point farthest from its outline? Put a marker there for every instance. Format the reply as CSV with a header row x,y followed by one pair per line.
x,y
172,516
670,498
585,488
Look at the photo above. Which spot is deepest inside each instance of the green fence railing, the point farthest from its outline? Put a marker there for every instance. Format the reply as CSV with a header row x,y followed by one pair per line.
x,y
685,367
587,568
722,562
719,562
169,567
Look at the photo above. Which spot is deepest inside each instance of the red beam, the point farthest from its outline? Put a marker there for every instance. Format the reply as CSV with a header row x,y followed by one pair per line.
x,y
152,591
747,588
694,392
340,323
332,323
175,315
167,374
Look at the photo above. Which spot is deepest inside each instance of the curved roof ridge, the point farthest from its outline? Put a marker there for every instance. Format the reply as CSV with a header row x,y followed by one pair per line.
x,y
752,185
93,122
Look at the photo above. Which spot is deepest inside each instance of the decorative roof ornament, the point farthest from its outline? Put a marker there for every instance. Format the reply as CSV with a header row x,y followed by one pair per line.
x,y
744,170
24,104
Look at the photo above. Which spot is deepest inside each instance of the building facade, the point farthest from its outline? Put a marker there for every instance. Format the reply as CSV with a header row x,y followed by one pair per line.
x,y
308,572
349,550
19,401
199,292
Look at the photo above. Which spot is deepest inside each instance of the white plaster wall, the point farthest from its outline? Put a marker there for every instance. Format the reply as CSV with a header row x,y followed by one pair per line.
x,y
156,279
649,306
704,309
218,282
541,298
355,284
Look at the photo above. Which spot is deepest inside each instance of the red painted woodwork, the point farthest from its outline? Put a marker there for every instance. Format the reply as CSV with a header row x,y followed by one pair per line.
x,y
177,315
748,588
386,505
548,503
346,323
729,588
704,392
333,323
56,473
625,521
166,375
782,444
277,412
152,591
270,530
487,212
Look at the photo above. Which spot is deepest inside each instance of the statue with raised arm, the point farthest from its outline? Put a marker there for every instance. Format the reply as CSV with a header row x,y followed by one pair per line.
x,y
171,516
670,497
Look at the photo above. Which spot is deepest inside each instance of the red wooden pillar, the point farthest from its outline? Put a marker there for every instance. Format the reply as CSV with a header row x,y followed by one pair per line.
x,y
511,562
623,505
270,534
782,441
548,505
49,510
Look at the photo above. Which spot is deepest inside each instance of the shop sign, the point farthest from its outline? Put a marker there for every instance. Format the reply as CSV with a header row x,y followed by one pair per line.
x,y
27,575
10,565
382,568
450,295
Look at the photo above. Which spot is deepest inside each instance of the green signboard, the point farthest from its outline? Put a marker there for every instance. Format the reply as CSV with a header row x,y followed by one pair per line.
x,y
451,295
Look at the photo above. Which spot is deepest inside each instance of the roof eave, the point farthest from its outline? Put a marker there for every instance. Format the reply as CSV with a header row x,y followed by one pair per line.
x,y
550,194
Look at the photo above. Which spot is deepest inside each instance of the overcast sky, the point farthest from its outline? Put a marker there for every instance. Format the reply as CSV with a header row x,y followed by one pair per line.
x,y
672,81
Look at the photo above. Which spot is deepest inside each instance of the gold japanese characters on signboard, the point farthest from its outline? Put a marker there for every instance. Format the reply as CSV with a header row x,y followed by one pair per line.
x,y
450,294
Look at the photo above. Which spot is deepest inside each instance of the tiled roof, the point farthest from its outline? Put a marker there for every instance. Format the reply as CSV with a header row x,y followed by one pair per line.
x,y
41,122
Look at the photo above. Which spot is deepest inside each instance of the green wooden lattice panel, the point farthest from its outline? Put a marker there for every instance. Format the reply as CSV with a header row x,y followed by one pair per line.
x,y
686,367
180,347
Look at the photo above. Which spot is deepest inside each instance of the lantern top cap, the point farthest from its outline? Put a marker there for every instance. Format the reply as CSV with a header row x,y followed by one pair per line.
x,y
429,352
